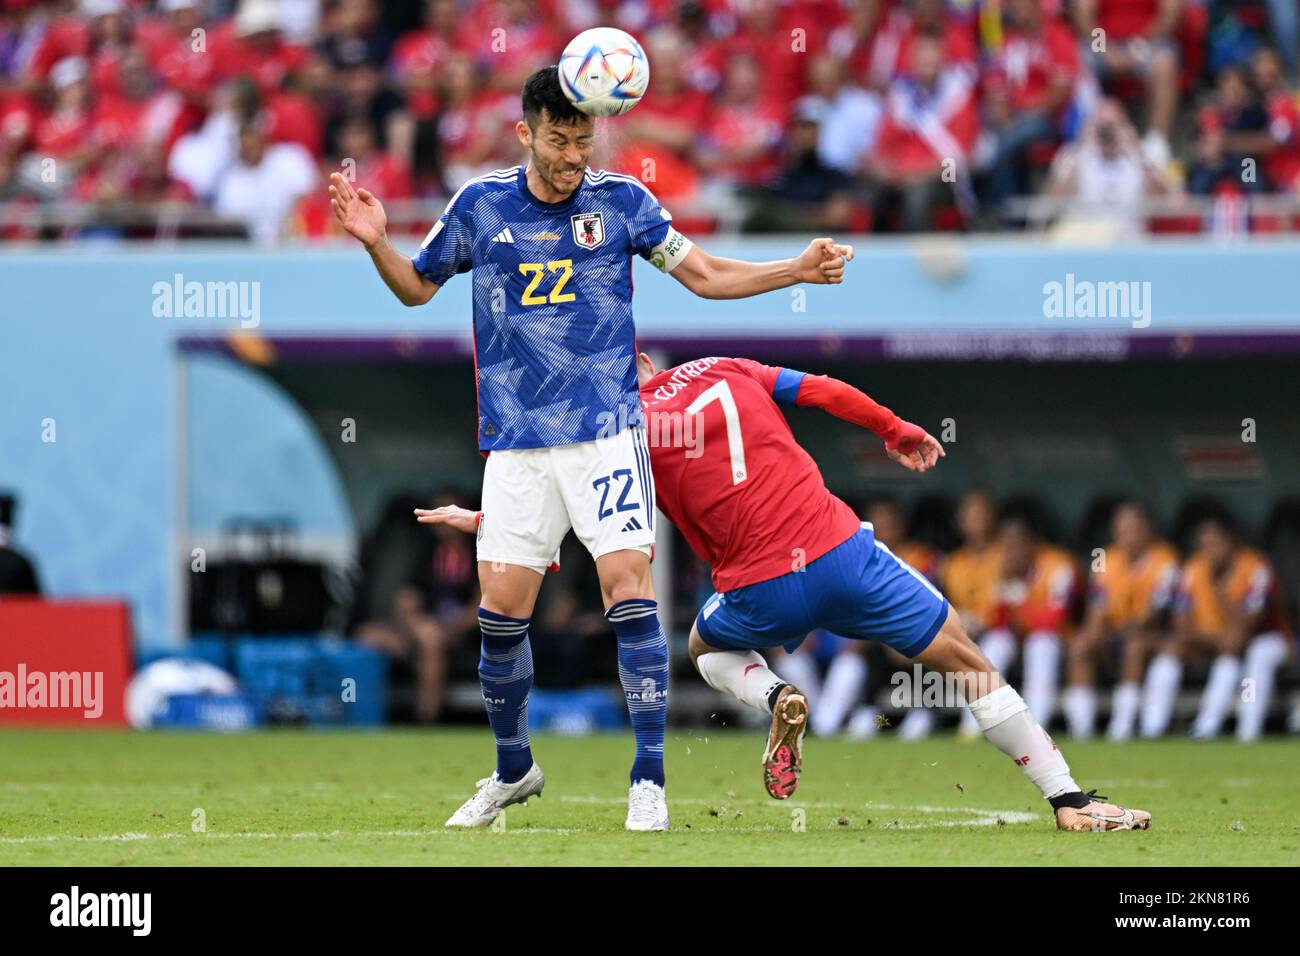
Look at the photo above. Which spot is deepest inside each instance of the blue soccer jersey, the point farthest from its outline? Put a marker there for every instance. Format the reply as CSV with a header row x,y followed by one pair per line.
x,y
554,341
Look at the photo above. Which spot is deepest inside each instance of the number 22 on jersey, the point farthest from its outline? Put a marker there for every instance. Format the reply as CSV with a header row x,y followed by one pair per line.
x,y
537,271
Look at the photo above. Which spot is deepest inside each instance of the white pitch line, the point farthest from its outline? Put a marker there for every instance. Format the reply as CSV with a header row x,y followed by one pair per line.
x,y
305,835
1010,816
971,817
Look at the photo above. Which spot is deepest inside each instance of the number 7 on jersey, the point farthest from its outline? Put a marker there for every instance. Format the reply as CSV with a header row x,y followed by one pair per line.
x,y
720,392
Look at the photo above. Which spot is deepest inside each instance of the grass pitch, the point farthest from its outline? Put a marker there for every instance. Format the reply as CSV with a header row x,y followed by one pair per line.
x,y
303,798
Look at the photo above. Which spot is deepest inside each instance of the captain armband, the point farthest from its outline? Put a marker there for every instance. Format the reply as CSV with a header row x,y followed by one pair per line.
x,y
668,255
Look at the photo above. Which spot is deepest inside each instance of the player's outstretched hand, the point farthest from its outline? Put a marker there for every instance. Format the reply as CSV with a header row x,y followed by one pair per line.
x,y
462,519
822,263
914,448
357,210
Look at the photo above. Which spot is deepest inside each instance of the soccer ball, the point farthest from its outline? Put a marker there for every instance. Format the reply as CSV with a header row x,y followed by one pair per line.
x,y
604,71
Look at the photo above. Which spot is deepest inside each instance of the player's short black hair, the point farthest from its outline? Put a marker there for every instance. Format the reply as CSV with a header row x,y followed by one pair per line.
x,y
542,92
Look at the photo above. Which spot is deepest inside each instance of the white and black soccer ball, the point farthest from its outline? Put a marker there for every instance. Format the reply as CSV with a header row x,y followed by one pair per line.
x,y
604,71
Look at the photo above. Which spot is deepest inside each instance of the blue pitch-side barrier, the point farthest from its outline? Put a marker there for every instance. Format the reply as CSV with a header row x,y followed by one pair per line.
x,y
304,680
92,429
287,680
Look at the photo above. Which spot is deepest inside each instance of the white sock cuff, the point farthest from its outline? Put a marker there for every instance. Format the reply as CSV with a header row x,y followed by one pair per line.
x,y
997,707
723,665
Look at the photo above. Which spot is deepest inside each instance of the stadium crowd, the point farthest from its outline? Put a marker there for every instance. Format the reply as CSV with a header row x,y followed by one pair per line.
x,y
863,115
1103,629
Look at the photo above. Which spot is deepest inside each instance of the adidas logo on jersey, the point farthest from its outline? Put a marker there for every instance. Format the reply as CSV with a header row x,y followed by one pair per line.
x,y
632,525
504,236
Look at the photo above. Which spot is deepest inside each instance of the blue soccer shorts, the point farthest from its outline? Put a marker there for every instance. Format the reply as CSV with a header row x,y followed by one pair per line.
x,y
860,589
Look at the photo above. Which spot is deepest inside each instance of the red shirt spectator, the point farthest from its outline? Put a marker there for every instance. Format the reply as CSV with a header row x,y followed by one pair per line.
x,y
18,118
1125,19
924,126
783,38
514,38
891,52
103,40
62,132
293,118
853,41
420,56
263,55
118,122
66,37
745,127
1283,166
469,131
1031,64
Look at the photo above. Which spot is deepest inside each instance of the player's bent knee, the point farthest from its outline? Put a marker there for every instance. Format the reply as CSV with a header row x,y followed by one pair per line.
x,y
696,647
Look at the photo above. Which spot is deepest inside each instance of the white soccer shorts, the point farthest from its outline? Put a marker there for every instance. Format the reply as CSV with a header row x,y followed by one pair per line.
x,y
602,489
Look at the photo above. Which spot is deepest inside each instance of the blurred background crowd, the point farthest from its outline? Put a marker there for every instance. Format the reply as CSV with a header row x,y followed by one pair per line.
x,y
141,118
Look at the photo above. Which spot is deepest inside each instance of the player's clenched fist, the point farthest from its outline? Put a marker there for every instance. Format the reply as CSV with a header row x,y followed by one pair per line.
x,y
823,262
357,210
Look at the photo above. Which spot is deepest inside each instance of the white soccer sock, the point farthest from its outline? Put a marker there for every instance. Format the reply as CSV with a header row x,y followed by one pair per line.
x,y
1080,706
1005,720
1164,675
1042,673
801,670
844,680
742,674
1123,711
1216,699
1264,656
999,649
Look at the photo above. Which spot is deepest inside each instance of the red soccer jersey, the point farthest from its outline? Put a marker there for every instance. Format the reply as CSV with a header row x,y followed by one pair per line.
x,y
730,475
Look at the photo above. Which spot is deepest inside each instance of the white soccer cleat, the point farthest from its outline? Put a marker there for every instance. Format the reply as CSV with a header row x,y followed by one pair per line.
x,y
493,796
647,807
1099,817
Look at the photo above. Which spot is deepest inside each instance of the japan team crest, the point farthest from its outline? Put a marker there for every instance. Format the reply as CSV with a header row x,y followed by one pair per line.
x,y
588,229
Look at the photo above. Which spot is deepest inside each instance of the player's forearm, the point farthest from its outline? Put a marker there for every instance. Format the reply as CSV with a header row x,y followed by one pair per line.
x,y
399,274
844,401
737,279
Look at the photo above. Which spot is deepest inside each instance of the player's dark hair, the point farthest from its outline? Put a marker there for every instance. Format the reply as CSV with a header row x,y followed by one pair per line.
x,y
542,93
